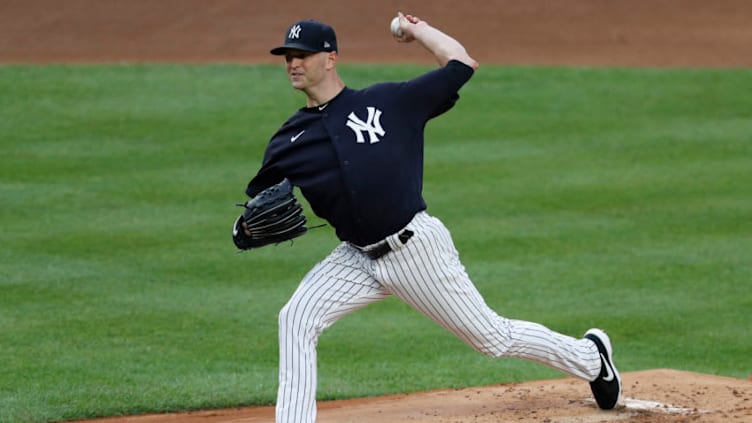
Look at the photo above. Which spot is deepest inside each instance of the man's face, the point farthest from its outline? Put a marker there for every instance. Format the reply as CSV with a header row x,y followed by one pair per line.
x,y
306,69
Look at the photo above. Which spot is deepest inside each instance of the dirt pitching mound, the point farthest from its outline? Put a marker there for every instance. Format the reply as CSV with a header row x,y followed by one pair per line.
x,y
649,396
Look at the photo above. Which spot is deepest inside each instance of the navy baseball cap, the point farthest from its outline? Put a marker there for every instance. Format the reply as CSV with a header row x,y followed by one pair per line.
x,y
310,36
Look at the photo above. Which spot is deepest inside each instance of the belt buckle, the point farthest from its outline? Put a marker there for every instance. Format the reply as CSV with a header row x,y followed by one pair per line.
x,y
378,250
383,247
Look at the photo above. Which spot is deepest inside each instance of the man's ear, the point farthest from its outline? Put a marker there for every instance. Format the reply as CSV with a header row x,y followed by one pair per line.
x,y
331,60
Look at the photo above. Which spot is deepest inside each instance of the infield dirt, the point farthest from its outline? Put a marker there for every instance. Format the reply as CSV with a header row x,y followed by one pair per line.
x,y
659,396
636,33
682,33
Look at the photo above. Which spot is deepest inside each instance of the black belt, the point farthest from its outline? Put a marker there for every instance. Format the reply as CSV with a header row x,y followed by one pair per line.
x,y
378,250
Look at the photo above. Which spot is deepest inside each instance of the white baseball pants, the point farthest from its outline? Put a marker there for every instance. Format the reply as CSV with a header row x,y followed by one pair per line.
x,y
425,273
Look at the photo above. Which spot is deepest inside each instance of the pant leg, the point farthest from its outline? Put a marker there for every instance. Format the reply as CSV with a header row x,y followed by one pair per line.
x,y
427,274
335,287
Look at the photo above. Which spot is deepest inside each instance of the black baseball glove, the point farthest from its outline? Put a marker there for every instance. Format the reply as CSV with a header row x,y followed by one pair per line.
x,y
273,216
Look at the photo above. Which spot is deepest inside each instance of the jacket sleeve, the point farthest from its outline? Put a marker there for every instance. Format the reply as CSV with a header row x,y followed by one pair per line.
x,y
436,92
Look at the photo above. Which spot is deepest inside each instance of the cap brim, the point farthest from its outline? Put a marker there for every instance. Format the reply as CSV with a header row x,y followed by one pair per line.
x,y
291,46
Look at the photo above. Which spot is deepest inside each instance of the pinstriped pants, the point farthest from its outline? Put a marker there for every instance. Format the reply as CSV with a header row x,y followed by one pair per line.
x,y
425,273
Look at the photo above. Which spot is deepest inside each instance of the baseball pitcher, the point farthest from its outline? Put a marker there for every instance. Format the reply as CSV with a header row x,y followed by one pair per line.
x,y
357,157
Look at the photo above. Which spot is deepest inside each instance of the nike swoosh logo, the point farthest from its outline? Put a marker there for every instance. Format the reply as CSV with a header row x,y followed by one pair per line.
x,y
235,228
609,373
293,139
323,107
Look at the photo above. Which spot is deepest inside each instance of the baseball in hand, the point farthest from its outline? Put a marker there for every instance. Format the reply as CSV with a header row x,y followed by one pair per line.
x,y
395,27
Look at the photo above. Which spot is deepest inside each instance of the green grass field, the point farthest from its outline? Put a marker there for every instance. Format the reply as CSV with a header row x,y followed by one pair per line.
x,y
577,198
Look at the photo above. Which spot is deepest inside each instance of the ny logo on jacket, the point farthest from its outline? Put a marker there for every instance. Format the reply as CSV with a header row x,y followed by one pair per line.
x,y
372,126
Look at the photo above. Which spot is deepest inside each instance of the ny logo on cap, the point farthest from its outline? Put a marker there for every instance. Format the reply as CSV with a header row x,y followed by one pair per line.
x,y
294,32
